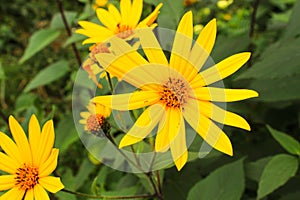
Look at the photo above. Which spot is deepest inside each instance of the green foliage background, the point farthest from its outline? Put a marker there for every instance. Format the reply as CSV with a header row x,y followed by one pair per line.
x,y
38,68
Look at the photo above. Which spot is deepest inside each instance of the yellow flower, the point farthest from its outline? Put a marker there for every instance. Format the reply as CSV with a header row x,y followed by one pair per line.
x,y
99,3
224,3
28,162
117,23
95,119
176,90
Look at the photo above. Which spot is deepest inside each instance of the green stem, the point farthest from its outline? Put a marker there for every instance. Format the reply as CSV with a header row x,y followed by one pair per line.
x,y
110,82
138,196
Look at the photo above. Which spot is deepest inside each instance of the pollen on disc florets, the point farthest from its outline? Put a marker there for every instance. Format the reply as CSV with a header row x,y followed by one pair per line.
x,y
124,31
174,93
27,177
97,124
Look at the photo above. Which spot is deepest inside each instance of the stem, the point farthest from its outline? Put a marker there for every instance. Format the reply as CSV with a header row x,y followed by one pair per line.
x,y
110,82
252,27
139,196
157,193
63,16
158,182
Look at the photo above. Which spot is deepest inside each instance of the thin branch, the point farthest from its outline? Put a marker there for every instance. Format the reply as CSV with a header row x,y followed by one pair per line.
x,y
63,16
158,182
139,196
252,27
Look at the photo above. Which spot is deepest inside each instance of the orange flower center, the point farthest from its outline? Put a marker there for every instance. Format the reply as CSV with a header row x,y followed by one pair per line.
x,y
174,93
27,177
95,123
124,31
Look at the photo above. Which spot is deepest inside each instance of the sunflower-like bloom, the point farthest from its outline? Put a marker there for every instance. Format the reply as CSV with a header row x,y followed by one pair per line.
x,y
28,162
177,90
117,23
94,119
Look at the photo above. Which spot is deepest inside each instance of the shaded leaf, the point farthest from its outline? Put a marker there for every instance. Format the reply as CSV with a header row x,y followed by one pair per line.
x,y
170,14
254,170
49,74
286,141
276,173
57,22
222,184
38,41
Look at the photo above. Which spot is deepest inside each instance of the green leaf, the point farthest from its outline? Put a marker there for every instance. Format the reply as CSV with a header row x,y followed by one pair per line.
x,y
225,183
170,14
286,141
74,38
24,101
57,22
48,75
254,169
66,133
276,173
38,41
293,28
2,73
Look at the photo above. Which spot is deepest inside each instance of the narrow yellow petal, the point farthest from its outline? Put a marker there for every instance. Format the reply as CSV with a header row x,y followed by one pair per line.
x,y
11,149
29,195
106,19
225,68
20,139
7,182
204,44
52,184
209,131
13,194
222,116
34,132
178,146
94,28
113,11
143,126
125,7
162,142
49,165
151,18
40,193
223,95
130,101
182,45
151,47
46,142
7,164
135,13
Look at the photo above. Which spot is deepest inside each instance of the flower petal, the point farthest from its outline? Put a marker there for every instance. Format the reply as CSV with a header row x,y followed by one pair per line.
x,y
136,12
20,139
209,131
10,148
29,195
40,193
49,165
223,95
46,142
13,194
143,126
178,146
7,182
7,164
113,11
151,46
204,44
52,184
125,7
107,19
130,101
151,18
225,68
222,116
182,46
34,132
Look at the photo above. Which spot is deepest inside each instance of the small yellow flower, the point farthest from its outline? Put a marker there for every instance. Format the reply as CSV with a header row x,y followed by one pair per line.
x,y
95,119
99,3
117,23
28,162
222,4
177,90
